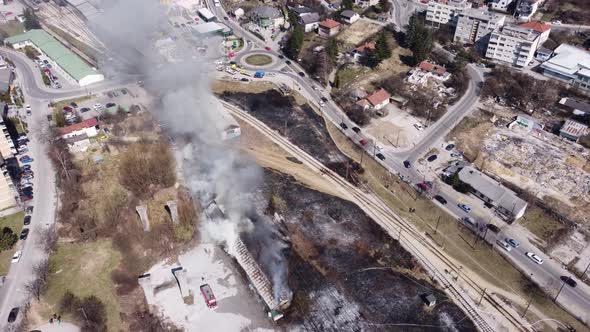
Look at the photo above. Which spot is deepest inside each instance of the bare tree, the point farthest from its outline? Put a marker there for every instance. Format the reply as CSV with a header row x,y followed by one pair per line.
x,y
48,240
35,287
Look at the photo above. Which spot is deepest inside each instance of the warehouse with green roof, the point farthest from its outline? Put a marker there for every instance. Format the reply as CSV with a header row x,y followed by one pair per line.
x,y
64,60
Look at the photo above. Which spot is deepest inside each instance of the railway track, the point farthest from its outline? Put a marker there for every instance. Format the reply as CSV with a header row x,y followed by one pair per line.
x,y
397,227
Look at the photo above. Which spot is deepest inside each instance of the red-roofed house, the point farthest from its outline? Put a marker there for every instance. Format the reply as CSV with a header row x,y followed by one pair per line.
x,y
543,28
86,127
379,99
361,50
426,70
328,28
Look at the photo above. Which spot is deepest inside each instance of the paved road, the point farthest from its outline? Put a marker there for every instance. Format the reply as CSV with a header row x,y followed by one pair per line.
x,y
12,293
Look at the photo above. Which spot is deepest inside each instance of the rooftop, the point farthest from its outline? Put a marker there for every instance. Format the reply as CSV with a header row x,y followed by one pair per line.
x,y
348,13
482,15
310,18
208,27
66,59
365,46
518,32
378,97
568,59
78,126
267,12
574,128
575,104
329,23
500,195
537,26
301,10
430,67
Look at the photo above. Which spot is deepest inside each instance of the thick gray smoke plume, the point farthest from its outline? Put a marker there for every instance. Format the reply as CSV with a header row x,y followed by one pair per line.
x,y
188,111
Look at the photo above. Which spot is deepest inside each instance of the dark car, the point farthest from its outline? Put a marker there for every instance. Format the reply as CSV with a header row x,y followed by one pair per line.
x,y
440,199
110,105
24,234
432,158
74,105
244,79
84,109
343,125
12,315
302,74
124,91
324,99
29,209
450,147
288,62
226,18
27,220
380,156
493,228
569,281
356,129
407,164
281,56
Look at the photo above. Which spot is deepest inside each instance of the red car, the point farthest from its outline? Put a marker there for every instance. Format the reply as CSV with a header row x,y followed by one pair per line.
x,y
363,142
267,48
231,54
68,109
210,299
423,186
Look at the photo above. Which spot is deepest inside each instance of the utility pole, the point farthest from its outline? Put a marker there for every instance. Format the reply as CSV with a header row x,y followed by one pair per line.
x,y
527,306
559,291
584,273
483,293
437,221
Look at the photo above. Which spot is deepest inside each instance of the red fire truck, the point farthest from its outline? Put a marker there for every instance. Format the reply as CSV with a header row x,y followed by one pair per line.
x,y
210,299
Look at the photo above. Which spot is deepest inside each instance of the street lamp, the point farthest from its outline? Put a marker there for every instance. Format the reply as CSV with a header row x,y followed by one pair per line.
x,y
560,288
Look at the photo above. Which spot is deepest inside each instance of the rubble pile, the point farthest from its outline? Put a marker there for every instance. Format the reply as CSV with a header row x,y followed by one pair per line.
x,y
545,163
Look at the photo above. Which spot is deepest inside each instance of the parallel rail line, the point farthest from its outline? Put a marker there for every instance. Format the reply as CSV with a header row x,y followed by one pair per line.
x,y
394,225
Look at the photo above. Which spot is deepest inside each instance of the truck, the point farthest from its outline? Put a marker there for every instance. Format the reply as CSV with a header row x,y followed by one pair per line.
x,y
259,74
210,299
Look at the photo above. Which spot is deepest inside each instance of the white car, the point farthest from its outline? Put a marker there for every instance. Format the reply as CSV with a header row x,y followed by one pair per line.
x,y
28,107
556,22
17,256
418,126
504,245
535,258
378,147
322,104
97,106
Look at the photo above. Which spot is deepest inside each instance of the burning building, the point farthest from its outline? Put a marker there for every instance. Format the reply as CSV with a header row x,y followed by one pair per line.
x,y
276,297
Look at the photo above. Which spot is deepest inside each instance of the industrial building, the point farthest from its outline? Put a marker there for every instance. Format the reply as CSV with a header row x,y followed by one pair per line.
x,y
445,11
573,130
514,44
61,58
504,200
569,64
475,26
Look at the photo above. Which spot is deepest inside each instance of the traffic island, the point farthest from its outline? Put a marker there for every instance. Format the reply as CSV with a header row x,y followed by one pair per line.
x,y
258,60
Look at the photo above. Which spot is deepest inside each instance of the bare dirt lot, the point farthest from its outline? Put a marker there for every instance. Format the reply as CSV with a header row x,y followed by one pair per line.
x,y
358,32
347,274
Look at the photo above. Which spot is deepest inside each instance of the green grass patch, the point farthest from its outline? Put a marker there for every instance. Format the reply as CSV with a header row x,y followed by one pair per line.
x,y
12,28
14,222
20,125
542,224
84,269
258,60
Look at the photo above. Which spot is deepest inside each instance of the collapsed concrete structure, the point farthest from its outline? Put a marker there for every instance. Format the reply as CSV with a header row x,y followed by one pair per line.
x,y
256,275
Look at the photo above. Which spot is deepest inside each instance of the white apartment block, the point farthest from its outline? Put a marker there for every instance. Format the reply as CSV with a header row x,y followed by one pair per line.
x,y
474,26
501,5
445,11
513,44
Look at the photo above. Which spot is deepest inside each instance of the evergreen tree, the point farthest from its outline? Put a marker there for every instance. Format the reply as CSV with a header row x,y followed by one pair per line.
x,y
332,49
295,42
384,6
31,20
419,39
347,4
382,49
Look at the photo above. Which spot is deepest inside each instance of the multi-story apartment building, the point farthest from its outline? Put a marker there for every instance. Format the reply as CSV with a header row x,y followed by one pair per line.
x,y
474,26
7,189
513,44
569,64
445,11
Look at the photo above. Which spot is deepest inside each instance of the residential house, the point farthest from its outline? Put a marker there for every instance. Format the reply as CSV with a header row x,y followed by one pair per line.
x,y
328,28
267,17
445,11
578,107
504,200
525,9
78,143
299,11
501,5
569,64
310,22
349,16
526,122
366,3
573,130
87,127
474,26
514,44
361,51
379,99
